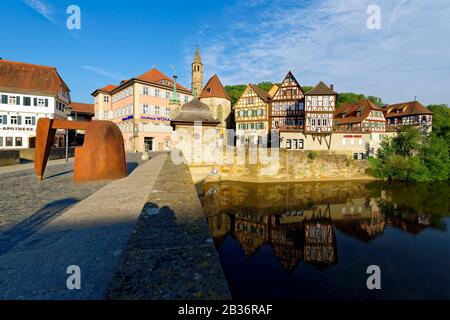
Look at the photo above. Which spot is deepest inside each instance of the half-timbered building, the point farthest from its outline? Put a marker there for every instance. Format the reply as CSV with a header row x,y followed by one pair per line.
x,y
252,116
287,111
359,128
409,113
320,103
363,116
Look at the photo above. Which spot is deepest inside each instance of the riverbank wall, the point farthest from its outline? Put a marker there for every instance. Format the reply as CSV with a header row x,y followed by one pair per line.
x,y
284,165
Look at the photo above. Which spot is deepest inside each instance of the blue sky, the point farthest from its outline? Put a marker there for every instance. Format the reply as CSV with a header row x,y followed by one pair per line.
x,y
242,41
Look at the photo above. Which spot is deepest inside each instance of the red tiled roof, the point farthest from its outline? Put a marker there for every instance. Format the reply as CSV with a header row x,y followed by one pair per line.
x,y
108,88
155,76
82,107
406,108
19,77
214,89
350,111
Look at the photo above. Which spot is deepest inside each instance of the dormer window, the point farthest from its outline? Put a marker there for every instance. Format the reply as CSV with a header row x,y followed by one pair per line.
x,y
343,115
208,90
358,113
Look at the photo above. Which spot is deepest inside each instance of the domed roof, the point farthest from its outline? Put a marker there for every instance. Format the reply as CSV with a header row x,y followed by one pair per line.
x,y
193,111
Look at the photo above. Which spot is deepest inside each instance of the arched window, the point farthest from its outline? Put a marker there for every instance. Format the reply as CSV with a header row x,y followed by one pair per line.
x,y
220,113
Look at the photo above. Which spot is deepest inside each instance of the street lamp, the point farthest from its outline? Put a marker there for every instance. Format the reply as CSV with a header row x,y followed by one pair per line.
x,y
67,111
135,135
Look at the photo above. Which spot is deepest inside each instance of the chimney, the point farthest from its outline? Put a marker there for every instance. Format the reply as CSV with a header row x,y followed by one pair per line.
x,y
332,87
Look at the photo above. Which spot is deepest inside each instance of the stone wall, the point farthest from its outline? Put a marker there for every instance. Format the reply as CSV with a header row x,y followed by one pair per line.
x,y
9,157
293,165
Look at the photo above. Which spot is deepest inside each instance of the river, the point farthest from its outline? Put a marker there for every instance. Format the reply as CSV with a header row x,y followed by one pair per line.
x,y
316,240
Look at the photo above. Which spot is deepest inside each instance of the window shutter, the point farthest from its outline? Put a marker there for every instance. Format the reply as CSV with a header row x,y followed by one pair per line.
x,y
46,102
33,121
35,102
4,99
5,119
17,100
19,120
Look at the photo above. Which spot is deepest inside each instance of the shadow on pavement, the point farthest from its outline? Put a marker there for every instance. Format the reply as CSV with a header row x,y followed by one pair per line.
x,y
131,166
29,226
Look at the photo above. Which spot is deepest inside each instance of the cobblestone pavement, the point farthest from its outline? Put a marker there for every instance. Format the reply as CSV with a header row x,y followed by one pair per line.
x,y
27,204
90,234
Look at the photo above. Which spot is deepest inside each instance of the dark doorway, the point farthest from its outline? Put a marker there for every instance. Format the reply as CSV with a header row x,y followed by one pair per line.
x,y
148,143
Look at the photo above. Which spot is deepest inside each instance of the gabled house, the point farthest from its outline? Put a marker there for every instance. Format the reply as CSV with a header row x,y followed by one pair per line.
x,y
29,92
409,113
363,116
215,96
252,116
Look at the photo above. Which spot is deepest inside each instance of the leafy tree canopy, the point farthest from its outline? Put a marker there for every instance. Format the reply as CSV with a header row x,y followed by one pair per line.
x,y
441,121
412,157
350,97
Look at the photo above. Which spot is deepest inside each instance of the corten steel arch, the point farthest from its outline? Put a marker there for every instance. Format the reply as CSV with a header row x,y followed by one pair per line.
x,y
102,156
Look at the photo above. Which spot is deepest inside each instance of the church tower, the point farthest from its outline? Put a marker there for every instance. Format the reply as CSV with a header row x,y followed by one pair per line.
x,y
197,74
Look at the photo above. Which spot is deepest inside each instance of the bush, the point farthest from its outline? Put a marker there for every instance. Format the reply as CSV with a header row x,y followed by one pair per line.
x,y
312,155
410,157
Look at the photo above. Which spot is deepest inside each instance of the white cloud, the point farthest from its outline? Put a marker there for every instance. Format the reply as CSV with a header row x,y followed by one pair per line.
x,y
328,40
41,7
105,73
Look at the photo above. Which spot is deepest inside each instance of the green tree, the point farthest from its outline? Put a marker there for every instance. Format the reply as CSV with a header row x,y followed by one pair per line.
x,y
376,100
434,153
411,157
407,141
441,121
350,97
235,92
307,88
265,85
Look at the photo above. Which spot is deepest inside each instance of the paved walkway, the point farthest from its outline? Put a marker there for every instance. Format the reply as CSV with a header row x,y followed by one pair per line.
x,y
90,235
170,254
30,166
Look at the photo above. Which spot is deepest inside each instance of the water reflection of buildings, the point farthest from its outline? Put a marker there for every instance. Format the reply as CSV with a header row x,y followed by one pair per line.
x,y
301,225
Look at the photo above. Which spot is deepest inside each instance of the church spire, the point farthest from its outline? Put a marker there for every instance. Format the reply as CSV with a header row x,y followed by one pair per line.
x,y
197,74
197,58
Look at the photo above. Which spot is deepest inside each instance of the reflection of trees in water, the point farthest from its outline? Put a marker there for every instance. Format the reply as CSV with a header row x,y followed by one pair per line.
x,y
297,222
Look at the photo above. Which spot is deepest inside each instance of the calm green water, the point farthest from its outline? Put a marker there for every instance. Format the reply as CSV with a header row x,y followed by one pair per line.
x,y
316,240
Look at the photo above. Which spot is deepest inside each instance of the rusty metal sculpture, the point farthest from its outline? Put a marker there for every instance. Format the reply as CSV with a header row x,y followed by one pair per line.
x,y
102,156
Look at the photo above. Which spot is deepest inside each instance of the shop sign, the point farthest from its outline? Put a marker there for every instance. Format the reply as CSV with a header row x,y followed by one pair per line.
x,y
16,129
155,118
